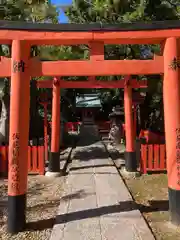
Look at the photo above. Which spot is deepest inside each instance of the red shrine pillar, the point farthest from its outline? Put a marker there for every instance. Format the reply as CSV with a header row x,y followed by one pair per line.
x,y
130,154
45,131
135,119
18,136
171,96
54,160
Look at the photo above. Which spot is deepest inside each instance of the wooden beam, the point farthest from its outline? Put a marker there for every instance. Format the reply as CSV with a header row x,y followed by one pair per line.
x,y
96,54
96,68
135,37
139,84
87,68
49,38
100,84
5,41
5,67
44,83
88,84
78,37
96,51
86,27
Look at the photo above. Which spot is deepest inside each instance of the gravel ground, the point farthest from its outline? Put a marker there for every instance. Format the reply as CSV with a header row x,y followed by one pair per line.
x,y
42,202
151,194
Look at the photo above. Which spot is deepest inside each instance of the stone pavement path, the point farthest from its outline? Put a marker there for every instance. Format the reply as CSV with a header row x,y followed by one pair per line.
x,y
96,204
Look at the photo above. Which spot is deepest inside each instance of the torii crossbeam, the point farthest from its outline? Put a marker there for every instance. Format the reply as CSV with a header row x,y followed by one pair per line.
x,y
92,84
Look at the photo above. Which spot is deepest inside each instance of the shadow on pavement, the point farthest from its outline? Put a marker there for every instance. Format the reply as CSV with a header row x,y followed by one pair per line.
x,y
97,153
78,195
91,166
88,136
116,155
87,141
90,153
127,206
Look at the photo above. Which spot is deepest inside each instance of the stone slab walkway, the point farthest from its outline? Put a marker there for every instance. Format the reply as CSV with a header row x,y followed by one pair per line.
x,y
96,204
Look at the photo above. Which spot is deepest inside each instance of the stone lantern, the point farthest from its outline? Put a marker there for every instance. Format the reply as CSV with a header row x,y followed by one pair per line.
x,y
116,118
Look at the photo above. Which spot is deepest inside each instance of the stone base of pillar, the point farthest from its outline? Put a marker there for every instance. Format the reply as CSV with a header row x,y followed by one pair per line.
x,y
174,206
54,162
130,174
130,161
16,213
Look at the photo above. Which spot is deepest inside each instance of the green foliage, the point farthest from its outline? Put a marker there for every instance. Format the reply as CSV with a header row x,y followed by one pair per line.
x,y
28,10
114,11
31,11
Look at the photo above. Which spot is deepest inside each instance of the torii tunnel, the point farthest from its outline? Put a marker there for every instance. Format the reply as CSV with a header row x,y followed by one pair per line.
x,y
20,67
128,83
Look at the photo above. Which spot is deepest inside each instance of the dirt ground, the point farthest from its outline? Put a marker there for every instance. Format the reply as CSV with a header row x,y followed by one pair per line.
x,y
42,203
151,195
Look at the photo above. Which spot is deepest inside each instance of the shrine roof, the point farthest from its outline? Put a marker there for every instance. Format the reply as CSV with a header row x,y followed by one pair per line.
x,y
72,27
88,101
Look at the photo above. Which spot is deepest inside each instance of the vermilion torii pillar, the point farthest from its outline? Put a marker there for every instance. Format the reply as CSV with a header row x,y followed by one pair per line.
x,y
54,159
135,119
18,136
130,154
45,105
171,95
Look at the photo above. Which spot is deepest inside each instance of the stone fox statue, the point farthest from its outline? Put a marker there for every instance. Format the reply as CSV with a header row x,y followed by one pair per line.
x,y
115,134
4,120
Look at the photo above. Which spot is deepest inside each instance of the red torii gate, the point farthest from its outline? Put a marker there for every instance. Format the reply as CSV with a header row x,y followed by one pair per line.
x,y
20,67
127,84
43,100
54,163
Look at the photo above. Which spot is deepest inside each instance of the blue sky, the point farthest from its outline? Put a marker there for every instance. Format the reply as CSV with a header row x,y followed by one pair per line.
x,y
62,17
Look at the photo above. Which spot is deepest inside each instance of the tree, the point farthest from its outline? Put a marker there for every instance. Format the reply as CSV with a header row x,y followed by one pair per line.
x,y
28,10
22,10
